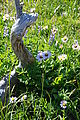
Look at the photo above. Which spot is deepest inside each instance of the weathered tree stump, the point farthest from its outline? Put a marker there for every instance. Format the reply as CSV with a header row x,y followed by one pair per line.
x,y
23,21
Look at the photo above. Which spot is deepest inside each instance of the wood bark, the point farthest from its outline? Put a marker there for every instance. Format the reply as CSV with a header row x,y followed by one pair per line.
x,y
18,29
18,8
23,21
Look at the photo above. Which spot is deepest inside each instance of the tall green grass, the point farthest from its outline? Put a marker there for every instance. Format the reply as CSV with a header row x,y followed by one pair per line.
x,y
52,80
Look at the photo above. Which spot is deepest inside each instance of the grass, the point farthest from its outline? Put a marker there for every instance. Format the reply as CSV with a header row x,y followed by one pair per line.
x,y
52,80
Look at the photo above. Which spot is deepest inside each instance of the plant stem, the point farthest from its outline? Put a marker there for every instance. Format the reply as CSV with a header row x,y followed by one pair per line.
x,y
63,114
42,83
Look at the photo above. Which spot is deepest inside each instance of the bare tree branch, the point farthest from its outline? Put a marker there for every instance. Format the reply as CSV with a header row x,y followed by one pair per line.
x,y
18,8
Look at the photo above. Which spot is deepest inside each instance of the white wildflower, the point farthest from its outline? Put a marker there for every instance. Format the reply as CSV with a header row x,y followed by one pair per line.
x,y
61,46
43,55
24,97
5,17
62,57
40,56
54,30
32,10
13,99
65,39
46,55
63,104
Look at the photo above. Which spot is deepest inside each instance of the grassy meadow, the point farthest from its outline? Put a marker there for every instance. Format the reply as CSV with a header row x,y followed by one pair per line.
x,y
53,86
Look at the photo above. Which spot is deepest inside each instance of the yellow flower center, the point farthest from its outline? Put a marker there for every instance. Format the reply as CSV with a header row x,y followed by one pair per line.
x,y
54,30
75,46
12,99
23,97
64,104
65,38
46,54
41,55
62,57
